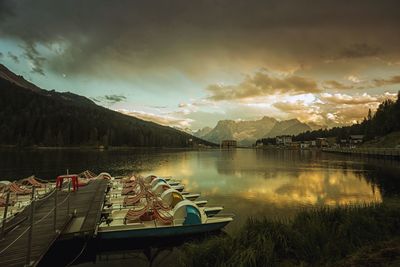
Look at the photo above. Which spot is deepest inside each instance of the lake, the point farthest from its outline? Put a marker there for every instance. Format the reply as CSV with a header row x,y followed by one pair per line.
x,y
247,182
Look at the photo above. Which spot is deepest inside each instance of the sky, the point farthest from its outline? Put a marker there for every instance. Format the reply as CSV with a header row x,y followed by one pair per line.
x,y
189,64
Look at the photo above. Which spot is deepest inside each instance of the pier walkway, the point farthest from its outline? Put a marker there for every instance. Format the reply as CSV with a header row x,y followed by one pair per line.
x,y
76,215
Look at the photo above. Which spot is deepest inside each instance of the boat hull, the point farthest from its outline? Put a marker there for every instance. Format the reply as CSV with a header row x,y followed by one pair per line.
x,y
164,231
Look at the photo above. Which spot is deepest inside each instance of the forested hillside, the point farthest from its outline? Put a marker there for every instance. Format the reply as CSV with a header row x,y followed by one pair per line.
x,y
384,121
48,118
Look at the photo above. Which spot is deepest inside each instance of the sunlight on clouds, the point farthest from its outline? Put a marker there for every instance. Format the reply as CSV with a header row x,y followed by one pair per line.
x,y
163,119
353,79
332,109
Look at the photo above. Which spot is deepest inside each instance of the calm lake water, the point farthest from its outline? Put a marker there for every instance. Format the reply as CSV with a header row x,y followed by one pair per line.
x,y
247,182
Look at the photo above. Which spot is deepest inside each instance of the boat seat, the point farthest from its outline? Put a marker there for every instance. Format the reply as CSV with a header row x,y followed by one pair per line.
x,y
109,220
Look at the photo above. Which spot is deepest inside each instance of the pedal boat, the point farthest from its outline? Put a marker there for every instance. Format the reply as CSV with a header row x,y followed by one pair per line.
x,y
186,218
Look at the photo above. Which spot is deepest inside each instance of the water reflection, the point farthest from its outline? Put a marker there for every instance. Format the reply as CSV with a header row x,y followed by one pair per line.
x,y
249,183
280,178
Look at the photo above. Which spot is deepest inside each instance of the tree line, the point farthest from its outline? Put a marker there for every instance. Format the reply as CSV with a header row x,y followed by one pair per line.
x,y
50,118
385,120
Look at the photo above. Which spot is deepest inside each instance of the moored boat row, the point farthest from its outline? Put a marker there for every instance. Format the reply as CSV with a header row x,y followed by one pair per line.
x,y
155,207
134,206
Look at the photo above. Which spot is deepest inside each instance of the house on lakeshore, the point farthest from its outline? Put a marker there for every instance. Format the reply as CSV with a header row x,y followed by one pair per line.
x,y
356,139
295,145
283,140
351,141
228,144
322,142
307,144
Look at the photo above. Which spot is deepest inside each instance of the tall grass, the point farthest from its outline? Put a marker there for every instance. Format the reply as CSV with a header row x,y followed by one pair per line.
x,y
313,238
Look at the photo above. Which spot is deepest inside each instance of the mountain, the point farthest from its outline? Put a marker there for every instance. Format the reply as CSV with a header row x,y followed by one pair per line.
x,y
202,132
315,126
10,76
30,116
288,127
247,132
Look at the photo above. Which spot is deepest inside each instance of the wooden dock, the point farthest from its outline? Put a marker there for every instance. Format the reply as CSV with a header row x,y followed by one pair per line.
x,y
22,245
393,153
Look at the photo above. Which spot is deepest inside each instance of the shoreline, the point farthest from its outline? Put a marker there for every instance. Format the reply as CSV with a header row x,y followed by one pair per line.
x,y
114,148
393,153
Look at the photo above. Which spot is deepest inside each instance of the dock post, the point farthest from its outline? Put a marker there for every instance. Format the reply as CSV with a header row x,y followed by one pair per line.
x,y
3,226
28,254
33,193
69,191
55,211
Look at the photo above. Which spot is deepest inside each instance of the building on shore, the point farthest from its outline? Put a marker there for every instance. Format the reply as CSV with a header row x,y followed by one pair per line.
x,y
351,141
356,139
307,144
294,145
228,144
284,140
322,142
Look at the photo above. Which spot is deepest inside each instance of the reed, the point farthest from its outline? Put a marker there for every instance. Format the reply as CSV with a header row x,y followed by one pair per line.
x,y
323,236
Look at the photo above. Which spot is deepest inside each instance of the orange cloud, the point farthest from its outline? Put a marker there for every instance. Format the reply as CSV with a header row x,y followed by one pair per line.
x,y
392,80
337,85
333,109
263,84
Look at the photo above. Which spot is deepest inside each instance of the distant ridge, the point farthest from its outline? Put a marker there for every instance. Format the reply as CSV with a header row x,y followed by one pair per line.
x,y
31,116
247,132
19,80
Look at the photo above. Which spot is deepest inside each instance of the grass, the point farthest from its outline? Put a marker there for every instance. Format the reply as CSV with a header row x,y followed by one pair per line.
x,y
320,237
388,141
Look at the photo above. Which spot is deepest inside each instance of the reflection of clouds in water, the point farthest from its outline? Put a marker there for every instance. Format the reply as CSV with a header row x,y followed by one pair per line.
x,y
329,188
280,177
311,188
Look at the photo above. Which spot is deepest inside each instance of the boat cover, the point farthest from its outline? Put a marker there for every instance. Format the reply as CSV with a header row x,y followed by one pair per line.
x,y
192,216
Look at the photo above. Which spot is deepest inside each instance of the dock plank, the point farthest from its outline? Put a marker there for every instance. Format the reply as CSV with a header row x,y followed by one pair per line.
x,y
87,202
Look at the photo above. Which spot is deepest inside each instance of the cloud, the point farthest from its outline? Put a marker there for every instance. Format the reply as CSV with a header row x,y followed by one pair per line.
x,y
392,80
262,84
303,111
334,109
114,98
109,99
13,57
337,85
183,105
163,119
34,57
5,9
353,79
224,36
360,50
346,99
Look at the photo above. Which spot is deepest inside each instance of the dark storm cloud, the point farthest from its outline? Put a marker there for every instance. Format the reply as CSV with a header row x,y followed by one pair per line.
x,y
360,50
128,36
37,61
5,9
13,57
